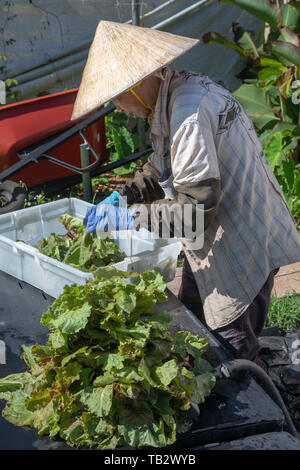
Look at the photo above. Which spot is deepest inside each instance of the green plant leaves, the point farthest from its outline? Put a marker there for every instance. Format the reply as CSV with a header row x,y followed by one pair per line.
x,y
14,382
257,103
288,53
291,17
167,372
273,150
79,249
289,36
216,38
262,9
244,40
267,92
72,321
111,374
121,141
98,400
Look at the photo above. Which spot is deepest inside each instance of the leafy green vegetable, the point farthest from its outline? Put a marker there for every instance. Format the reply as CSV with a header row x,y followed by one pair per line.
x,y
79,249
111,374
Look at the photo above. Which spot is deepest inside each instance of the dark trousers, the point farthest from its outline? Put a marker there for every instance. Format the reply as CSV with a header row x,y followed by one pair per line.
x,y
241,336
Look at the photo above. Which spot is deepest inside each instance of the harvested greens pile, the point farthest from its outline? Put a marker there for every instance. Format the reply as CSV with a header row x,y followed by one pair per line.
x,y
111,374
79,249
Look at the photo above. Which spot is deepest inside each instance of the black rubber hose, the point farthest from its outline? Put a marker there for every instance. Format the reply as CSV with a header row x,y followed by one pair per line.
x,y
233,368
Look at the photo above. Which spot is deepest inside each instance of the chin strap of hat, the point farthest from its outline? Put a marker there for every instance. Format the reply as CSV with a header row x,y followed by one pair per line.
x,y
137,96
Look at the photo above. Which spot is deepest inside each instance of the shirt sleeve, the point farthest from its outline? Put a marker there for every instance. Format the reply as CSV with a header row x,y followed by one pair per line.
x,y
193,153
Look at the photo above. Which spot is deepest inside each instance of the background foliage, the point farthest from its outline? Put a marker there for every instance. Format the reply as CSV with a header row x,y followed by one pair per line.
x,y
270,92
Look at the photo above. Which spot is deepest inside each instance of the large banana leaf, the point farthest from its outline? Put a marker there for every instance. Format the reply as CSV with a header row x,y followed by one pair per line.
x,y
295,4
285,51
262,9
244,40
291,18
273,149
216,38
272,127
257,104
289,36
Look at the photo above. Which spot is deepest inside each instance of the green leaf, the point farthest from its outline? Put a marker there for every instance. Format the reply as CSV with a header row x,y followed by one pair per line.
x,y
268,73
216,38
127,375
244,40
167,372
283,83
126,300
103,380
289,36
201,366
271,128
144,372
291,17
74,355
29,359
152,435
16,412
163,404
14,382
126,169
295,4
69,222
57,340
183,422
109,272
273,149
188,343
38,400
261,9
113,360
98,400
136,414
204,383
72,321
289,172
268,62
257,104
287,52
97,426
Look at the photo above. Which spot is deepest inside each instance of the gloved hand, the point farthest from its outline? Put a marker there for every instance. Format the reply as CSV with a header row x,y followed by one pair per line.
x,y
110,214
115,199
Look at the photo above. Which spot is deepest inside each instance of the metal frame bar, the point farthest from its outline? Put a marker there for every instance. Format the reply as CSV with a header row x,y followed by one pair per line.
x,y
35,152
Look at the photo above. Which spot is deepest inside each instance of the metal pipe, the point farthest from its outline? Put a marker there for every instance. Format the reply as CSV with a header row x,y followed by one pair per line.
x,y
176,16
135,12
160,7
86,177
181,14
51,67
32,87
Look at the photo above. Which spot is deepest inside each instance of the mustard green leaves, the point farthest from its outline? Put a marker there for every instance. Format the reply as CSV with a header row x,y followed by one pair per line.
x,y
111,374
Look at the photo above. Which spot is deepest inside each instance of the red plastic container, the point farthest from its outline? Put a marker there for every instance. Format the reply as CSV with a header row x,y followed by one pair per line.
x,y
27,122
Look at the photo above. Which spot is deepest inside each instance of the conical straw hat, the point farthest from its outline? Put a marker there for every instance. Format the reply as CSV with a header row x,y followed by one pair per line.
x,y
120,56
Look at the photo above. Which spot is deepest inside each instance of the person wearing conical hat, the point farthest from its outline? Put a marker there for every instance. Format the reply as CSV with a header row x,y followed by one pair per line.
x,y
206,156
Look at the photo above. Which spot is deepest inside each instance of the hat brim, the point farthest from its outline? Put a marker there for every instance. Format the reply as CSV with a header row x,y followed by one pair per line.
x,y
130,54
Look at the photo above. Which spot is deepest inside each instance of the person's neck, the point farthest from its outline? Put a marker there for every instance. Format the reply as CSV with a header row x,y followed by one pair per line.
x,y
150,89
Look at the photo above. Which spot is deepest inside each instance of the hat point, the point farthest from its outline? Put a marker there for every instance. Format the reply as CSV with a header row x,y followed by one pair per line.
x,y
120,56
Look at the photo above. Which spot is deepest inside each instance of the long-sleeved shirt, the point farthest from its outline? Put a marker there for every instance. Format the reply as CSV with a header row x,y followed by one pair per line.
x,y
201,133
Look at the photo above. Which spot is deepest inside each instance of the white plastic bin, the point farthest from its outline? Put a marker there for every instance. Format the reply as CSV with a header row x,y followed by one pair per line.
x,y
26,263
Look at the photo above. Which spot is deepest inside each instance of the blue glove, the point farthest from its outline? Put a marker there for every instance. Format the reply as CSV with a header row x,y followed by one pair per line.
x,y
109,215
115,199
